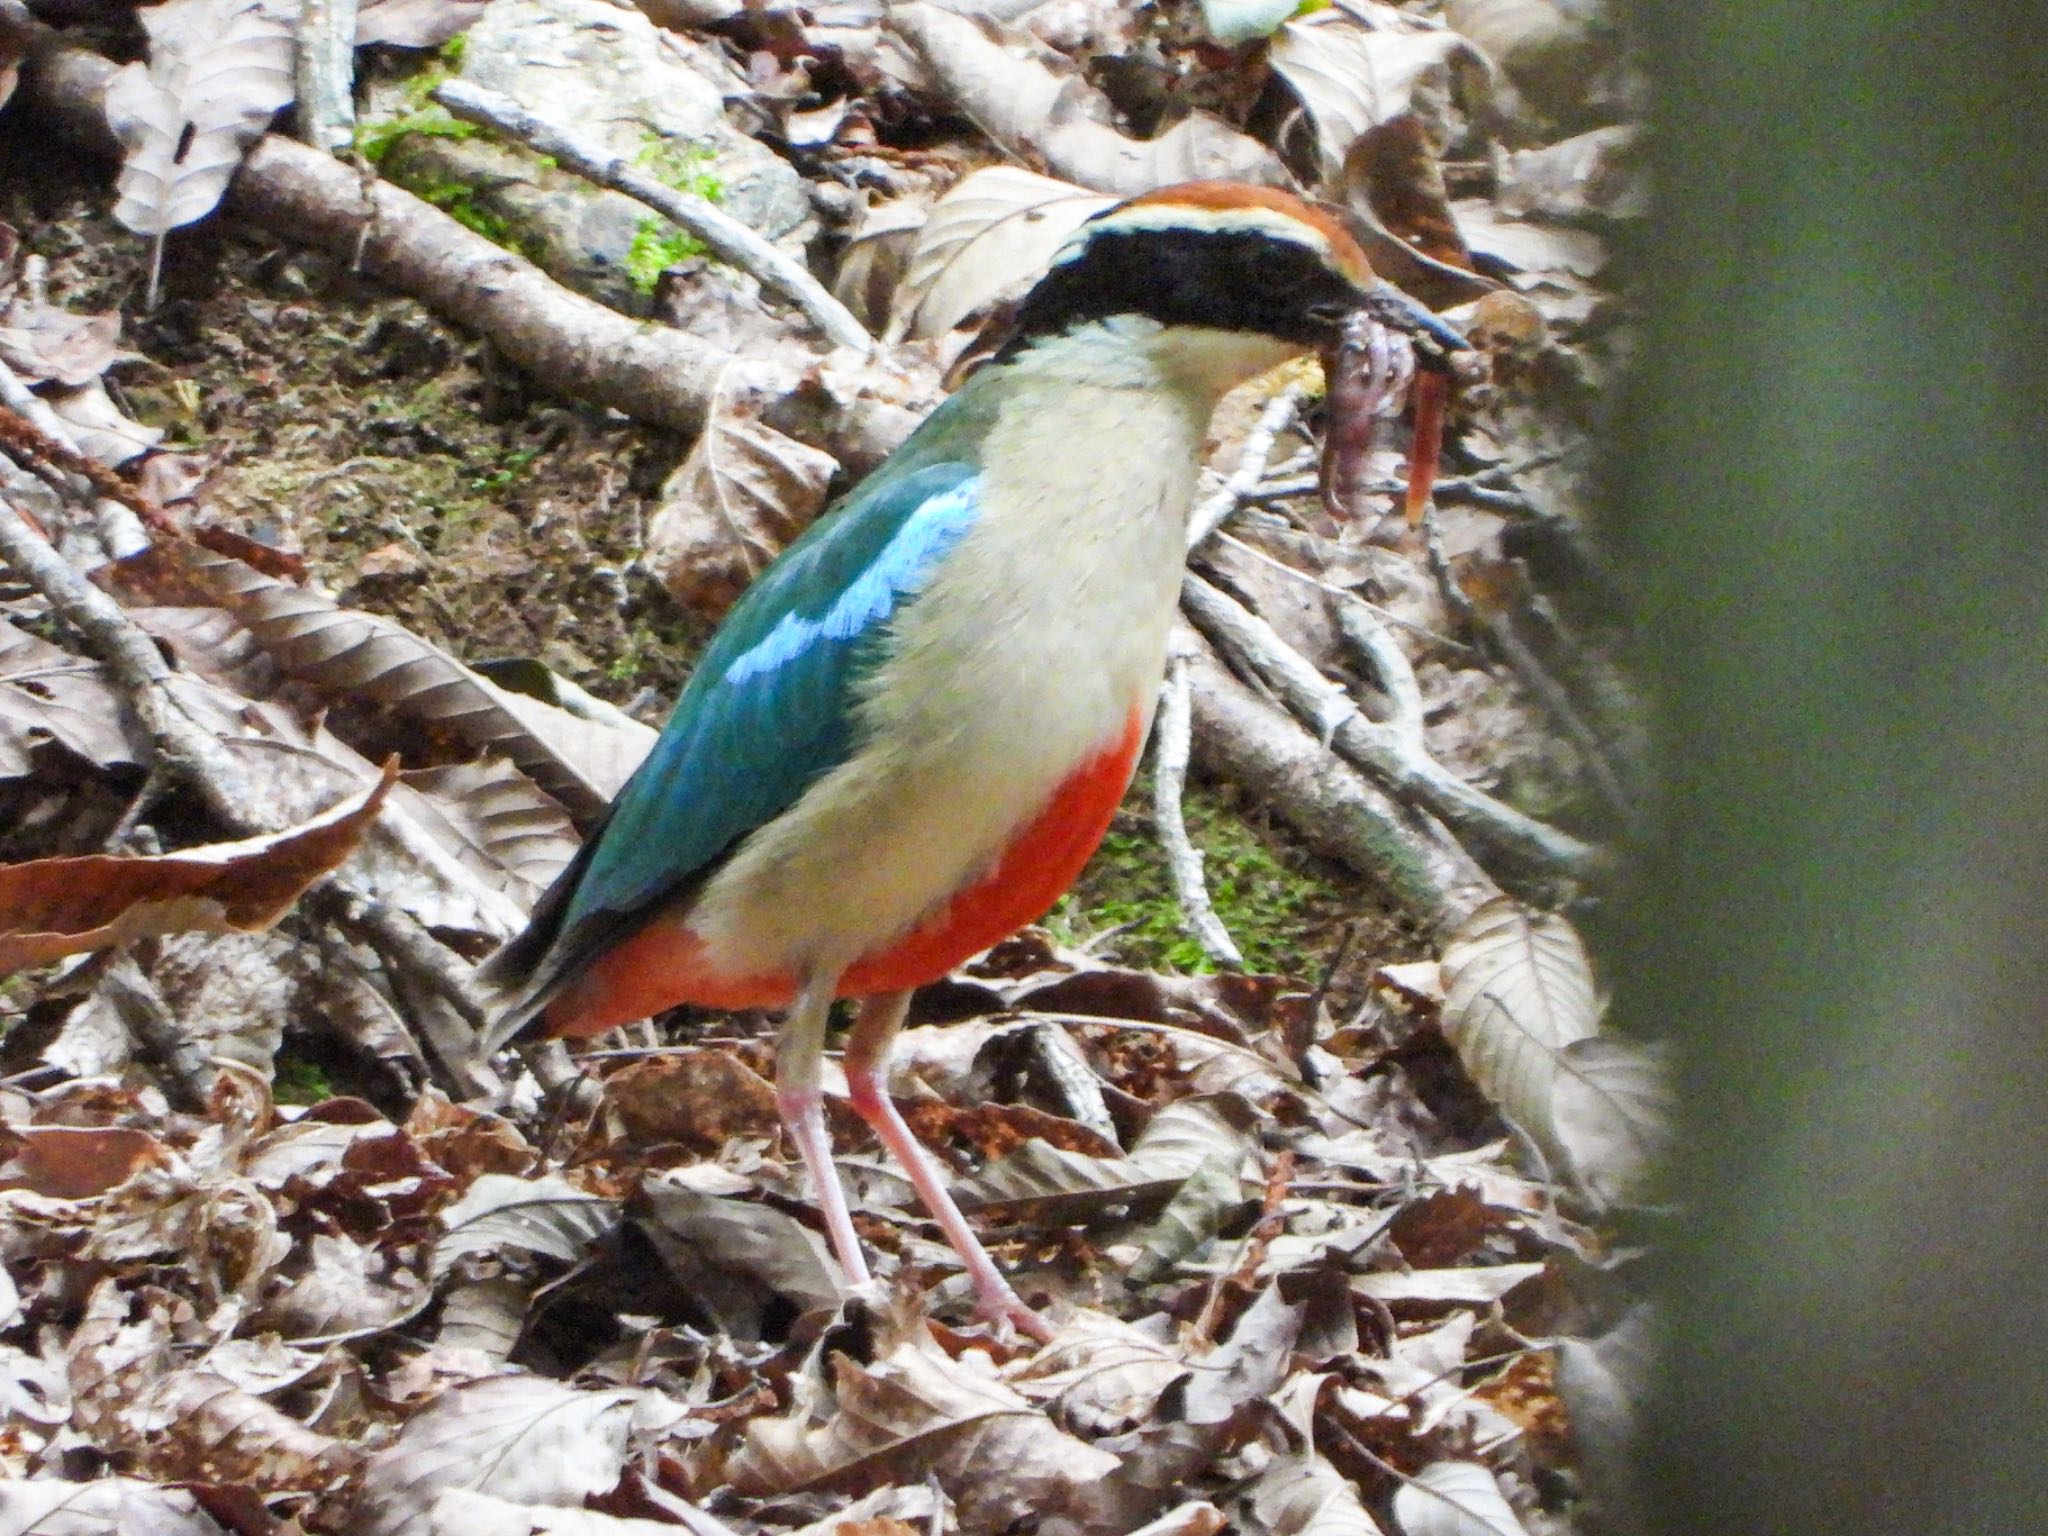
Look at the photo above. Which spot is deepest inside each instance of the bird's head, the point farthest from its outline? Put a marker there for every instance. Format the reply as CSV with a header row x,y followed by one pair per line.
x,y
1232,278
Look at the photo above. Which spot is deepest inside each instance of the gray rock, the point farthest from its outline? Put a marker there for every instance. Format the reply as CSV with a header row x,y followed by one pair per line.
x,y
616,78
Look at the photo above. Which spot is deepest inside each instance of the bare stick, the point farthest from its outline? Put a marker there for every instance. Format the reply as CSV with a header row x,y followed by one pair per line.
x,y
729,239
1392,752
1173,734
1334,809
1251,465
326,69
120,529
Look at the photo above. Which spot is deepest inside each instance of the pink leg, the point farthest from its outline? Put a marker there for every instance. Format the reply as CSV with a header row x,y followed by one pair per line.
x,y
867,1076
797,1058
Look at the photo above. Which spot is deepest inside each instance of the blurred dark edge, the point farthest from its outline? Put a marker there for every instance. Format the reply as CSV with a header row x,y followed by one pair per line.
x,y
1829,494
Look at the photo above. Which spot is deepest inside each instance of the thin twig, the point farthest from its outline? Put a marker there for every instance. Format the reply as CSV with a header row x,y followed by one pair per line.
x,y
120,530
1251,465
1173,736
727,237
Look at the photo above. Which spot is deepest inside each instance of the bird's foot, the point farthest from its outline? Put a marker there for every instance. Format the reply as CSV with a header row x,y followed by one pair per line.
x,y
1002,1307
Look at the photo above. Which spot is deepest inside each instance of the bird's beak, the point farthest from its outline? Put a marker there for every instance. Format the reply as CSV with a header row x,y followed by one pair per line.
x,y
1396,311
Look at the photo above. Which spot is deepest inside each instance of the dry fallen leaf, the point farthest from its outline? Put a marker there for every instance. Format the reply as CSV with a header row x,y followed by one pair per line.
x,y
111,1506
1034,102
49,696
1518,989
1351,77
367,659
1455,1498
55,907
914,1412
546,1215
985,242
218,71
522,1439
744,492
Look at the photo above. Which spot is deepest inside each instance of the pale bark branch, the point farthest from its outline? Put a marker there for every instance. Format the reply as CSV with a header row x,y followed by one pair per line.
x,y
1393,752
726,237
1172,736
568,343
1420,869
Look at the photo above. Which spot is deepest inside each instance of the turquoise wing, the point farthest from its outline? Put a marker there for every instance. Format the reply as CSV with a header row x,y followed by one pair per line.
x,y
769,710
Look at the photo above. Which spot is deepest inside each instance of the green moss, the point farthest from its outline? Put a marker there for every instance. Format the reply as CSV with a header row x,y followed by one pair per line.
x,y
453,50
682,166
424,117
657,246
1276,906
375,141
300,1081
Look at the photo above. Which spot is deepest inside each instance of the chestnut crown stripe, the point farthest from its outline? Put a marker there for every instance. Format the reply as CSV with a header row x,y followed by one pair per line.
x,y
1214,255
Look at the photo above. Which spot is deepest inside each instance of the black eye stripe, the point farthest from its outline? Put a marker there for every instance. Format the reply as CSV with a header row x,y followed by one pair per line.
x,y
1227,279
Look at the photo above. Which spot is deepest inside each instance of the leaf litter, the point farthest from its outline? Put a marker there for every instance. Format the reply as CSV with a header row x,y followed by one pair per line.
x,y
1303,1280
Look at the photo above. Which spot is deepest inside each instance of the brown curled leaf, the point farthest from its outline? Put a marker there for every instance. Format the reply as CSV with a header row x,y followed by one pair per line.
x,y
50,908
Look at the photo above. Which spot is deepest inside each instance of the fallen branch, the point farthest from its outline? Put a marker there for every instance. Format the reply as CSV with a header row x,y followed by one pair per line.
x,y
115,505
1252,459
1421,870
1172,735
1393,751
570,344
728,239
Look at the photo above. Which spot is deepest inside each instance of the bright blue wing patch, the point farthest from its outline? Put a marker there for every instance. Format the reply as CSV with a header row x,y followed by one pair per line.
x,y
898,569
770,708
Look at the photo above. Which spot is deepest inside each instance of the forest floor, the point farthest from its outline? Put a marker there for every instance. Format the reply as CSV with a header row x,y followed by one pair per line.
x,y
1332,1241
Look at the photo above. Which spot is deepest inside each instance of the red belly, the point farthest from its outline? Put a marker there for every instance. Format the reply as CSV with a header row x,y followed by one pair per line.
x,y
664,964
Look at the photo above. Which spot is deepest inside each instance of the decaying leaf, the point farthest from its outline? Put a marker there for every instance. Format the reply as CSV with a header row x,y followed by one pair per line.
x,y
1518,989
55,907
361,657
1610,1111
1394,185
48,695
110,1506
744,492
1306,1496
735,1255
1455,1498
459,1512
1350,77
522,1439
1183,1138
546,1215
46,344
914,1412
985,242
102,430
76,1162
218,71
1553,50
500,822
1033,102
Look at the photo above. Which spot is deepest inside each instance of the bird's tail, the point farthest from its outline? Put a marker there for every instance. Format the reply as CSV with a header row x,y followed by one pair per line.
x,y
522,978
